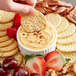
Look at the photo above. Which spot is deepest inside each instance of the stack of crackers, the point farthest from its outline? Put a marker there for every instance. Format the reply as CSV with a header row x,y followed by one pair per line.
x,y
8,46
66,35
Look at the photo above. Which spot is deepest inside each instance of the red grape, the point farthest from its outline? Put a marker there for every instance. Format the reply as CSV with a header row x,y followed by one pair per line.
x,y
2,72
10,63
8,74
20,71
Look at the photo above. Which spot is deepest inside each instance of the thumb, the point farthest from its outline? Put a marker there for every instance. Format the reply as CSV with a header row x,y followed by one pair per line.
x,y
22,8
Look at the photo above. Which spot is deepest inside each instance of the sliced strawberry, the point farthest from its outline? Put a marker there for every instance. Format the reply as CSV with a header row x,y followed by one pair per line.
x,y
36,65
54,61
17,21
11,32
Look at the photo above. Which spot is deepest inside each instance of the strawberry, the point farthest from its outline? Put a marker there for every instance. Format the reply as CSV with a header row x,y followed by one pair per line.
x,y
54,61
11,32
17,21
36,65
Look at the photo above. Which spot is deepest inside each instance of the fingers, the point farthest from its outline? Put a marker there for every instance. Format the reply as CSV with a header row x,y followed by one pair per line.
x,y
15,0
31,2
22,9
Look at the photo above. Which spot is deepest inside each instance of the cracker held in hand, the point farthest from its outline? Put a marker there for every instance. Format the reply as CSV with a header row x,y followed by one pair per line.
x,y
55,19
68,32
67,48
31,23
6,16
63,26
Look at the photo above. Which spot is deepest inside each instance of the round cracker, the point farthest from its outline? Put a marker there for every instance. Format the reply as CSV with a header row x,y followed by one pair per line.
x,y
6,43
67,40
4,38
18,57
2,33
7,54
55,19
68,32
63,25
33,23
6,16
9,48
67,48
71,55
4,26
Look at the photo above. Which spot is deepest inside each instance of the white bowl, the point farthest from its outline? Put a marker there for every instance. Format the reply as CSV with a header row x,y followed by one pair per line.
x,y
26,51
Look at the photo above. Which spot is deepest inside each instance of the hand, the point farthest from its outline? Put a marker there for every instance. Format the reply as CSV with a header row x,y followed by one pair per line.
x,y
14,6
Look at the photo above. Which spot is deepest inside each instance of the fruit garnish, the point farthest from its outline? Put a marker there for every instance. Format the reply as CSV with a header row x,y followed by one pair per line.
x,y
20,71
36,65
35,74
2,72
10,63
8,74
54,61
17,21
11,32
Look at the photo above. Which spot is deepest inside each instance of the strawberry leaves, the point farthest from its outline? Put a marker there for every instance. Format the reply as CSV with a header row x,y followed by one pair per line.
x,y
66,61
27,57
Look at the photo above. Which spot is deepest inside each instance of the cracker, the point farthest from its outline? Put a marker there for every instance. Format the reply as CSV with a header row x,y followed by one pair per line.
x,y
67,40
63,25
33,23
6,16
4,26
71,55
6,43
7,54
68,32
18,57
1,60
9,48
4,38
67,48
23,63
2,33
55,19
